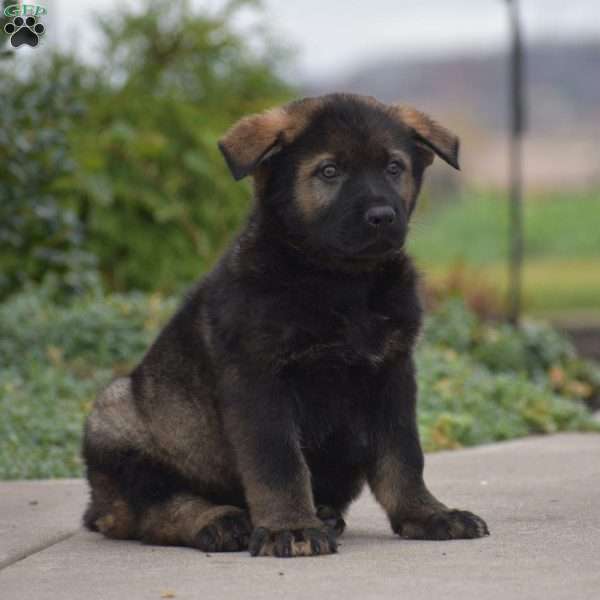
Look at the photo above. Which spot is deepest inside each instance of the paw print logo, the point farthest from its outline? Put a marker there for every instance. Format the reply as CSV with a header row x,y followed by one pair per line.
x,y
24,31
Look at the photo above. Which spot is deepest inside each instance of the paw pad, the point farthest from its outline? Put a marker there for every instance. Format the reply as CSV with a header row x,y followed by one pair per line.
x,y
24,31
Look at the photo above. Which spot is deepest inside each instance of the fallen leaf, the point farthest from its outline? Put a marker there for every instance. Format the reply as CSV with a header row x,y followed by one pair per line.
x,y
580,388
557,376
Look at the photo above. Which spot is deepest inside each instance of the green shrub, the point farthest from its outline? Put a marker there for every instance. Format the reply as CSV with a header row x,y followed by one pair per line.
x,y
535,351
39,232
115,165
463,404
451,326
100,330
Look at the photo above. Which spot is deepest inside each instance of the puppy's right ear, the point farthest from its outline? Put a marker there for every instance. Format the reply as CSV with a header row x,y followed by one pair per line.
x,y
253,139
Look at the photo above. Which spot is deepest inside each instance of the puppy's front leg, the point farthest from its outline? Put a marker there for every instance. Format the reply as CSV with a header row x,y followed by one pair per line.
x,y
396,472
259,423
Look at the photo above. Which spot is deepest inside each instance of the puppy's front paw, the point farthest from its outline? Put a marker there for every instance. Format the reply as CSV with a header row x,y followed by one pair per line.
x,y
286,543
444,525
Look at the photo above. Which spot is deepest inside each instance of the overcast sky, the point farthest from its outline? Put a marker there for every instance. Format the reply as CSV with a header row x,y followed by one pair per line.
x,y
336,35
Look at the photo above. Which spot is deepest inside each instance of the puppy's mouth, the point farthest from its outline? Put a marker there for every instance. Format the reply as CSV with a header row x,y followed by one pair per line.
x,y
378,248
381,244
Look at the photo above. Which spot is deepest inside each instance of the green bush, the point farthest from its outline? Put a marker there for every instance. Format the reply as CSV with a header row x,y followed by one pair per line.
x,y
451,325
55,357
115,165
100,330
39,231
535,351
462,403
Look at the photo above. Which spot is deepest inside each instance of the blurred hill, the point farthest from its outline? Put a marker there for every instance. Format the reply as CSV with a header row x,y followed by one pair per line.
x,y
469,92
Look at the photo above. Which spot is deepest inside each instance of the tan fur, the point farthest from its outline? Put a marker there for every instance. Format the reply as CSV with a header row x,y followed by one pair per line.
x,y
298,548
249,141
406,182
393,345
252,138
437,135
114,419
282,508
163,433
311,193
113,517
118,523
178,521
259,180
442,140
401,495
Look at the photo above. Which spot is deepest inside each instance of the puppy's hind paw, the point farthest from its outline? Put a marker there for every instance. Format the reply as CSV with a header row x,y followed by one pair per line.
x,y
228,533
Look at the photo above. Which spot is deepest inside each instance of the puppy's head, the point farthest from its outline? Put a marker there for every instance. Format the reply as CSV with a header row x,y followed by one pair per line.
x,y
341,172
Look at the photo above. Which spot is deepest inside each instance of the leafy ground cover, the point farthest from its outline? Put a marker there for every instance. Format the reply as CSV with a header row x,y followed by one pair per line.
x,y
479,382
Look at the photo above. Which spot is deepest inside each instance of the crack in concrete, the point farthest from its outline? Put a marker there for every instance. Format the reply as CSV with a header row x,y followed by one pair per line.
x,y
35,549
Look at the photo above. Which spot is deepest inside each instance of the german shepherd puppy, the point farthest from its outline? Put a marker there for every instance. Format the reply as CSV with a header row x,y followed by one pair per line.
x,y
286,380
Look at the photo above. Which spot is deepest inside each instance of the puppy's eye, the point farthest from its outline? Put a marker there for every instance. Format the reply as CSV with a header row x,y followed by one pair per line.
x,y
394,168
329,171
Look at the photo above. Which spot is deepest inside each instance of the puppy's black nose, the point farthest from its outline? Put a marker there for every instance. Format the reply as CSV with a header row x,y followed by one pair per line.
x,y
378,216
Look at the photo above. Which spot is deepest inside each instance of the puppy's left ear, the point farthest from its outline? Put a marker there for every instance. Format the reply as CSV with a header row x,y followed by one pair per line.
x,y
430,134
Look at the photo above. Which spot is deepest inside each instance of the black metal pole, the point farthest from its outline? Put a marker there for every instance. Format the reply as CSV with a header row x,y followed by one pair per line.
x,y
517,127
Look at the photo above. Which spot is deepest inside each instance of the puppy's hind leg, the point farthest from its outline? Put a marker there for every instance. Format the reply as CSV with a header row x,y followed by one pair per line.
x,y
188,520
153,515
136,496
180,520
108,512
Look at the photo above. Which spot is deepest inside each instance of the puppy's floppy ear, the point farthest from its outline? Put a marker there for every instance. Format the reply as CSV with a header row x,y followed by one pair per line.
x,y
430,134
253,139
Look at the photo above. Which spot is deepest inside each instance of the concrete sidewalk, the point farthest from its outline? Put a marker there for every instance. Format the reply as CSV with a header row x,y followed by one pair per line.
x,y
540,497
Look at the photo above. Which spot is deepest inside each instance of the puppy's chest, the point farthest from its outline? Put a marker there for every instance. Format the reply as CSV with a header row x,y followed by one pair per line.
x,y
335,405
349,336
370,336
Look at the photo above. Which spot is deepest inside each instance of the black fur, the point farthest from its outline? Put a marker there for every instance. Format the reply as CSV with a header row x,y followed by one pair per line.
x,y
298,347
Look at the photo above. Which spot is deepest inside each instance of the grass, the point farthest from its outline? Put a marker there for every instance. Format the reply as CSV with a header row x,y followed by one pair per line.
x,y
478,383
562,247
551,286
